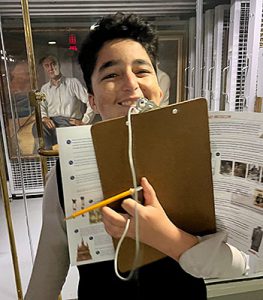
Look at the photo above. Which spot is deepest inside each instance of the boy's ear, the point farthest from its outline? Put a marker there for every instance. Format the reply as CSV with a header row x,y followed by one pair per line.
x,y
92,103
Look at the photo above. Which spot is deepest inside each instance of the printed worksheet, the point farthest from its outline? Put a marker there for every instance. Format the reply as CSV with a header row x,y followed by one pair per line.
x,y
87,238
237,160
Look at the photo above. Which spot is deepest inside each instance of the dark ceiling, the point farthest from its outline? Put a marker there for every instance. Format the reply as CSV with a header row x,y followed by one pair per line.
x,y
176,8
56,19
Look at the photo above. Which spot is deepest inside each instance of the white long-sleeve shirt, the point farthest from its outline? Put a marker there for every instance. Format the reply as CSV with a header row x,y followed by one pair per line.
x,y
212,257
66,99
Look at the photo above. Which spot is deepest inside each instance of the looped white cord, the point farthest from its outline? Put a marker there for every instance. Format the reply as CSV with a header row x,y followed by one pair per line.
x,y
137,243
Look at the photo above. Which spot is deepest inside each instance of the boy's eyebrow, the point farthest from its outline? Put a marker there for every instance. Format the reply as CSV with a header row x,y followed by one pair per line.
x,y
142,62
114,62
108,64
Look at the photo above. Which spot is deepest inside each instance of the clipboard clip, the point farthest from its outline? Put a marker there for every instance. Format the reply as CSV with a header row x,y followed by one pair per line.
x,y
144,104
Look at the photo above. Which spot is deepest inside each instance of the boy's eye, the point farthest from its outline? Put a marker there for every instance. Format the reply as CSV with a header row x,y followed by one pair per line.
x,y
143,71
112,75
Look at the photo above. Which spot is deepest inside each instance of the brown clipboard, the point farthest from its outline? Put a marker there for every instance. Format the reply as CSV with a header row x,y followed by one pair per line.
x,y
171,147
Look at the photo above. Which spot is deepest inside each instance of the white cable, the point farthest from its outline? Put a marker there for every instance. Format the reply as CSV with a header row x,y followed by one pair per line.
x,y
137,242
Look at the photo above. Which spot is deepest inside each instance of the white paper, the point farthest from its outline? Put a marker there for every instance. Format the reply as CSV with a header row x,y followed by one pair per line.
x,y
237,161
87,238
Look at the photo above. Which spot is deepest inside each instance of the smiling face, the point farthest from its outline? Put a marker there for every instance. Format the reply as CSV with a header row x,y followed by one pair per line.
x,y
123,73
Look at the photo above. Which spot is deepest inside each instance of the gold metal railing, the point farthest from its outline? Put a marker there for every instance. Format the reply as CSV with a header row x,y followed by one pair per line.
x,y
35,98
9,221
33,81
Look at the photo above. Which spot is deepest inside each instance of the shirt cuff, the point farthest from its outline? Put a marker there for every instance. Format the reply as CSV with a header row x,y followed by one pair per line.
x,y
212,257
88,117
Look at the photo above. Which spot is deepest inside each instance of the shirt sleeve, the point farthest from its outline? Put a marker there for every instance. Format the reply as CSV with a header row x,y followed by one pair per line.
x,y
52,259
80,91
213,257
82,94
88,115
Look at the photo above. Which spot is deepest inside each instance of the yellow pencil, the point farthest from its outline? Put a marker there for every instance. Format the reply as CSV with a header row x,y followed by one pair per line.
x,y
104,202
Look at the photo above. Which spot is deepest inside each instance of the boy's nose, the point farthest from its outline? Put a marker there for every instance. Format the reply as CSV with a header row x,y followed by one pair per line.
x,y
130,81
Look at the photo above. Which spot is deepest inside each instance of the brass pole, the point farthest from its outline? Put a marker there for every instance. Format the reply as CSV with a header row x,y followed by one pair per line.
x,y
33,82
9,222
29,45
3,184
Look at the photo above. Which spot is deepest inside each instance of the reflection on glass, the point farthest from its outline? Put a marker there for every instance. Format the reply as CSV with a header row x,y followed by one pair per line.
x,y
17,113
19,87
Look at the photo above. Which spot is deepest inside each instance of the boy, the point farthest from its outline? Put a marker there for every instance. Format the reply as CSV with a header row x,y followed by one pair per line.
x,y
118,60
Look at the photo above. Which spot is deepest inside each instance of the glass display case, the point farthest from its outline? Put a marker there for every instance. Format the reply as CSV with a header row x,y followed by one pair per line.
x,y
59,28
53,36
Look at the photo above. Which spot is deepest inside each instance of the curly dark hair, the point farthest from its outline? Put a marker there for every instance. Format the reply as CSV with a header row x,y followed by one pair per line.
x,y
119,25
